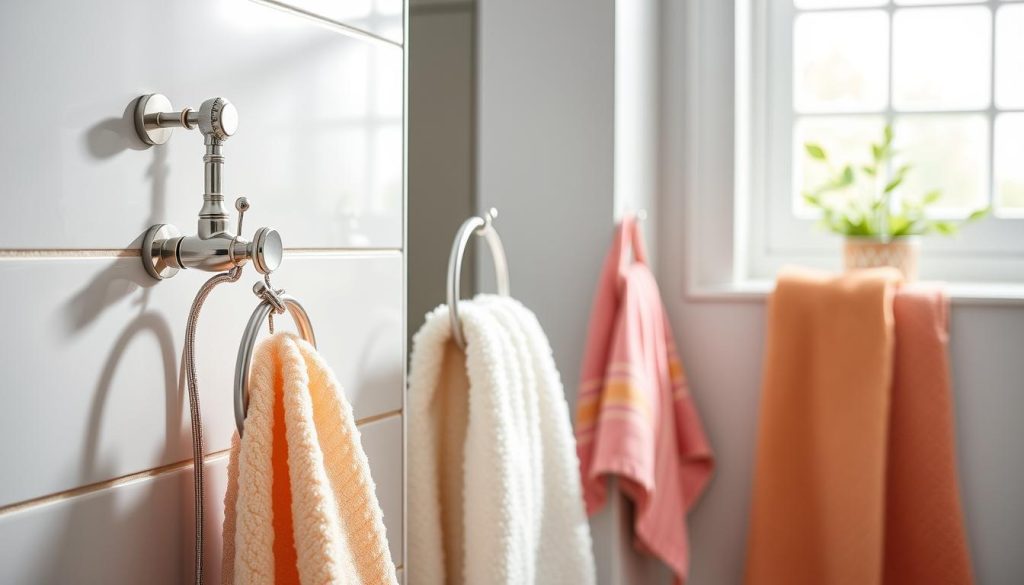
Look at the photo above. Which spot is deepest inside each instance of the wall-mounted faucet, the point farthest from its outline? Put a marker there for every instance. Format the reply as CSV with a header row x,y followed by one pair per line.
x,y
214,247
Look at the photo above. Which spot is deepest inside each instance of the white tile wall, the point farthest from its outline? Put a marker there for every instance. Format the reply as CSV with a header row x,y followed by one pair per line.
x,y
141,531
94,430
380,17
379,441
319,145
92,379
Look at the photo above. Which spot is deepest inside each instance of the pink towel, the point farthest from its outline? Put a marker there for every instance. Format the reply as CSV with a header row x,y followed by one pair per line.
x,y
635,418
925,541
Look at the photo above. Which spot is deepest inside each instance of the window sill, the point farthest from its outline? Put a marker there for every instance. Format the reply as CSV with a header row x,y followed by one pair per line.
x,y
960,293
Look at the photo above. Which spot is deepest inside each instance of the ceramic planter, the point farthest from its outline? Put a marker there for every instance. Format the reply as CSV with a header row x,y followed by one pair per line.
x,y
870,252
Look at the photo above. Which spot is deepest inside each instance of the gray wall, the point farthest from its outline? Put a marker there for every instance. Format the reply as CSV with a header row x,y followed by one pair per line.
x,y
442,95
545,79
567,143
94,429
721,336
722,346
547,91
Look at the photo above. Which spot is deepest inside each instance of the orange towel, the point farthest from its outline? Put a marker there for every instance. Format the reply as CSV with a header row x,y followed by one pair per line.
x,y
855,479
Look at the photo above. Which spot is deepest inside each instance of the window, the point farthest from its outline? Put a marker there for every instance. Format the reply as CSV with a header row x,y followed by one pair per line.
x,y
947,75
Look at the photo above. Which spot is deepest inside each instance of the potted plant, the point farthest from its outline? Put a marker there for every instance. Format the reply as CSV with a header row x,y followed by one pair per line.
x,y
880,224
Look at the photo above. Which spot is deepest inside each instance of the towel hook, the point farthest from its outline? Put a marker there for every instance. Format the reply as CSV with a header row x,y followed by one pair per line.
x,y
483,227
215,247
271,300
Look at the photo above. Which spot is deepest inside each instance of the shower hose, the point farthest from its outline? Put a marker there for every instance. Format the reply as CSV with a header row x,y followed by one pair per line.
x,y
193,402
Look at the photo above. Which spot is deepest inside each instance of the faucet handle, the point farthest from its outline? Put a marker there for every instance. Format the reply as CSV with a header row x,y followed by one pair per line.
x,y
266,250
218,118
242,205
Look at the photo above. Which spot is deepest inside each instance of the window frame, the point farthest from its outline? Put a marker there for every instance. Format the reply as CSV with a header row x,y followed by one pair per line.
x,y
711,124
779,237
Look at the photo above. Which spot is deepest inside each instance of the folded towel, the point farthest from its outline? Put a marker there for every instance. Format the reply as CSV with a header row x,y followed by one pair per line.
x,y
494,495
635,417
855,478
300,505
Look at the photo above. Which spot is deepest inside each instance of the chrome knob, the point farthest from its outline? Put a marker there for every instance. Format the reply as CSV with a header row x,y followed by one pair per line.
x,y
218,118
266,250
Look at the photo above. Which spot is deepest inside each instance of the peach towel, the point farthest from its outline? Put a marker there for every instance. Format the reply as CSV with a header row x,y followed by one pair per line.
x,y
300,505
635,416
856,477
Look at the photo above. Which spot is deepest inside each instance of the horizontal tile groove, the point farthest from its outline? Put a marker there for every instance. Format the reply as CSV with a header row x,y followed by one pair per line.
x,y
69,253
342,251
106,484
329,22
377,417
140,476
57,253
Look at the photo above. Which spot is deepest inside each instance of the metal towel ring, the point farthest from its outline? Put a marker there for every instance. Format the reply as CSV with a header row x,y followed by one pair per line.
x,y
484,227
272,301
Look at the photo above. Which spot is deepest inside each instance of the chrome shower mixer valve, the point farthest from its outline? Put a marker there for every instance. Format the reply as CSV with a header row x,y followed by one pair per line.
x,y
215,247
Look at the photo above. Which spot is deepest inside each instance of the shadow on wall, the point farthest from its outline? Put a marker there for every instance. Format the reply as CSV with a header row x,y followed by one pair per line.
x,y
371,377
110,529
104,524
110,526
120,279
114,135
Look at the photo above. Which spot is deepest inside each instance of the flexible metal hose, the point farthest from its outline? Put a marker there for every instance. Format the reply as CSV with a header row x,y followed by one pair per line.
x,y
198,447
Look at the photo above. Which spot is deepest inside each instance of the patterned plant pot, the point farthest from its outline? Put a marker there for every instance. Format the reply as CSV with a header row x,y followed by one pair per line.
x,y
867,252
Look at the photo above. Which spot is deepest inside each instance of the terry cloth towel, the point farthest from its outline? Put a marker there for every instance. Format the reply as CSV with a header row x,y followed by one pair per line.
x,y
635,417
493,493
856,477
300,505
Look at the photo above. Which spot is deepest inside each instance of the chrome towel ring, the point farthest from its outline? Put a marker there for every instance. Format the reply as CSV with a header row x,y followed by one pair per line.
x,y
484,227
277,302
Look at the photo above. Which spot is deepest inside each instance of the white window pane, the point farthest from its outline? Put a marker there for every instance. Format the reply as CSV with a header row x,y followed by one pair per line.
x,y
812,4
941,58
846,140
1009,164
1010,56
840,61
948,153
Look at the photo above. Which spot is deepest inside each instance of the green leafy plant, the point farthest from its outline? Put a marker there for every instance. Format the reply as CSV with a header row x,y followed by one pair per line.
x,y
856,200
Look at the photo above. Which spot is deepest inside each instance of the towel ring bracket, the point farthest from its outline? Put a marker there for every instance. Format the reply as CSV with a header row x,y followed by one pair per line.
x,y
271,301
483,227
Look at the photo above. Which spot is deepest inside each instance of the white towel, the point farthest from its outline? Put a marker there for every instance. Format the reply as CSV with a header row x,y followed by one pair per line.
x,y
494,489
